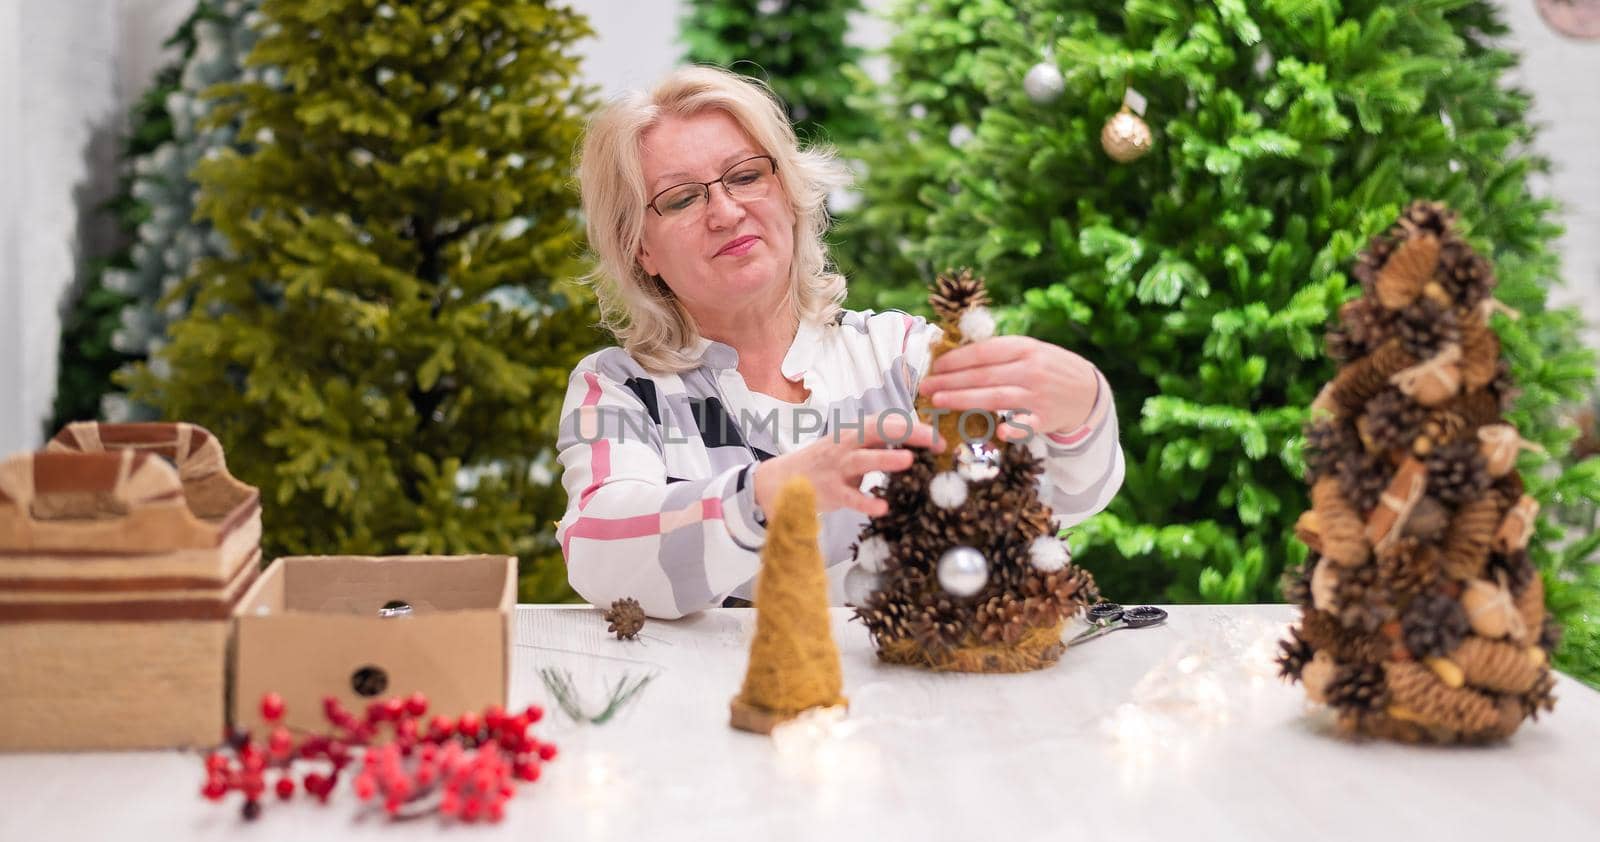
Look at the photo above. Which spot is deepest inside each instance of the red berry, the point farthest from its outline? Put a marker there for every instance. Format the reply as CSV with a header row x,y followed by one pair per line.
x,y
393,708
365,787
527,770
469,724
272,707
448,804
214,790
280,742
493,715
216,762
314,782
469,809
391,805
534,713
547,751
497,810
406,730
334,711
417,704
285,787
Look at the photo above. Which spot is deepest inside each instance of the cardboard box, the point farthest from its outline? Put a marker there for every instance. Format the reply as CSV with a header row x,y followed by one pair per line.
x,y
123,551
314,627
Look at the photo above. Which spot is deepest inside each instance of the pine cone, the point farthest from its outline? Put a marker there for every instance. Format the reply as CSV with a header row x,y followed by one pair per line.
x,y
1467,276
1359,687
1516,567
1393,420
1001,620
1426,326
1361,328
1457,473
1431,217
1433,626
1371,259
1293,655
1540,698
625,618
1325,633
1364,603
1363,477
1409,567
1326,442
954,294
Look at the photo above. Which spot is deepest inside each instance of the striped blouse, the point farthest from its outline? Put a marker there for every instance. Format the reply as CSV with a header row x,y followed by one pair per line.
x,y
657,467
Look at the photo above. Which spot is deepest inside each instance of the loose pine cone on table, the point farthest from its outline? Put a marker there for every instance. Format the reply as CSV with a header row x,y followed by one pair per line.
x,y
625,617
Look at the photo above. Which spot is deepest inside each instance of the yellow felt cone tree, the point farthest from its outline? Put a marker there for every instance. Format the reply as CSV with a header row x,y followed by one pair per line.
x,y
794,664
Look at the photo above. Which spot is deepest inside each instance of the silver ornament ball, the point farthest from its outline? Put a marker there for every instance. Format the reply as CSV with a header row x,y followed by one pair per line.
x,y
1043,84
963,571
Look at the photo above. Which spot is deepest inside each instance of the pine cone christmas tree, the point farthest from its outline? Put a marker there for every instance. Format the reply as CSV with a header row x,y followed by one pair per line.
x,y
1432,627
985,586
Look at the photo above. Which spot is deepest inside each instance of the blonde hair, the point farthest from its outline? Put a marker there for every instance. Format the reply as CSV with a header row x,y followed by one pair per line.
x,y
639,309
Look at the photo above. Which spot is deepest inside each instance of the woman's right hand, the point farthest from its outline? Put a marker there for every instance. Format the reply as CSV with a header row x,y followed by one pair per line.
x,y
836,462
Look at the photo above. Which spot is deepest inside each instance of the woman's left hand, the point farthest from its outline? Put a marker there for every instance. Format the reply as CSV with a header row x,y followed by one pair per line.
x,y
1048,388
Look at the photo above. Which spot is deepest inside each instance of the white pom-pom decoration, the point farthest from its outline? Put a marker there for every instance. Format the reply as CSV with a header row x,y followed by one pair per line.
x,y
859,585
977,324
949,490
873,480
872,555
1048,553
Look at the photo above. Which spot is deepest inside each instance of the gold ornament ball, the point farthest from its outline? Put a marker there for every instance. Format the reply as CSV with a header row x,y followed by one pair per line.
x,y
1126,137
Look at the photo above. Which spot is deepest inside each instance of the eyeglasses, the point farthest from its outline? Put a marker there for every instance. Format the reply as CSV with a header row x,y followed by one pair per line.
x,y
749,179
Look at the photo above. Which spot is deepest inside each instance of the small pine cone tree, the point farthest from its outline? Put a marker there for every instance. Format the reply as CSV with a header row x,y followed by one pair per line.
x,y
1457,473
625,618
1433,626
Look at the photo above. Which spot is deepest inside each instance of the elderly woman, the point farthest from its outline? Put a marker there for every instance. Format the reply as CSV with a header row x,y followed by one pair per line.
x,y
738,368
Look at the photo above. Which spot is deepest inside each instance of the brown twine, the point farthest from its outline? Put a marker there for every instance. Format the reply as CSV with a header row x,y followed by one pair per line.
x,y
1396,504
1415,688
1408,268
1432,381
1480,353
1496,665
1341,529
1466,543
794,664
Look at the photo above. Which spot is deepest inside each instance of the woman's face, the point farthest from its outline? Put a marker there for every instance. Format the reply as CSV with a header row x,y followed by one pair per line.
x,y
716,253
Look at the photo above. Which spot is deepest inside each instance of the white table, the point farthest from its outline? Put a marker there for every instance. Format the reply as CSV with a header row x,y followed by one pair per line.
x,y
1176,732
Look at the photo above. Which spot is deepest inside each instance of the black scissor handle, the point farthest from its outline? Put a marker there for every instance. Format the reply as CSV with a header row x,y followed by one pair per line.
x,y
1103,612
1141,616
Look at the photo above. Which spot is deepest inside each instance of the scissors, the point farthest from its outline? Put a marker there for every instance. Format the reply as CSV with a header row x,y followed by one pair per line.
x,y
1106,617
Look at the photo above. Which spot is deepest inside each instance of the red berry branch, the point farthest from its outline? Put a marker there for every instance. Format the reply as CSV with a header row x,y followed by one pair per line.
x,y
465,769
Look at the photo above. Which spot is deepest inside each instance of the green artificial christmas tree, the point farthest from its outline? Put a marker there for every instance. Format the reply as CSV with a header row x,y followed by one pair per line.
x,y
796,46
384,346
115,320
1199,272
